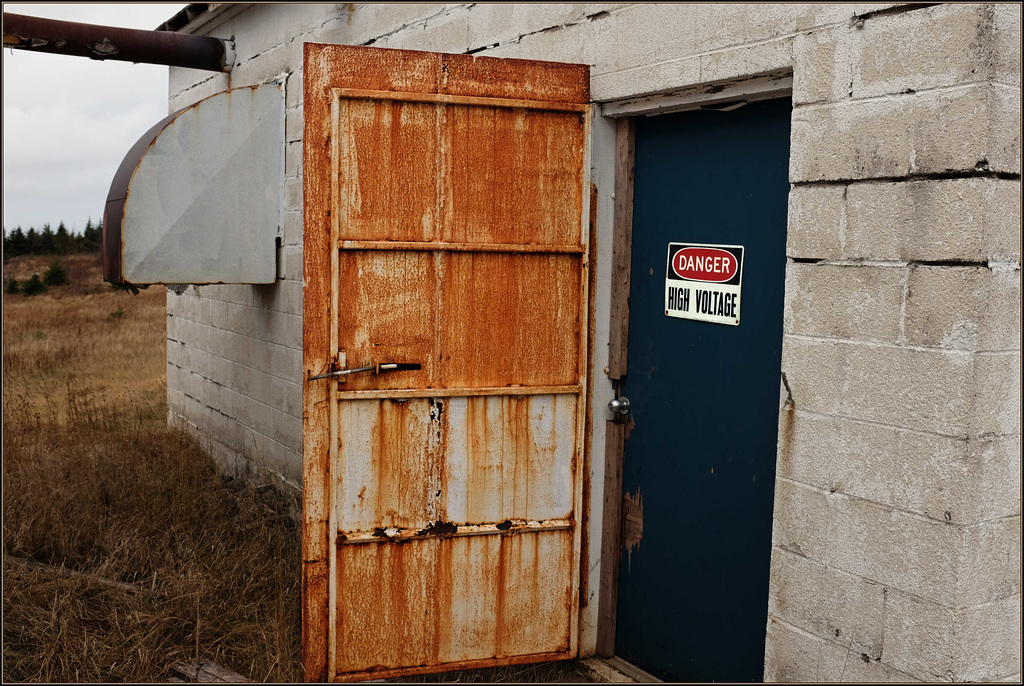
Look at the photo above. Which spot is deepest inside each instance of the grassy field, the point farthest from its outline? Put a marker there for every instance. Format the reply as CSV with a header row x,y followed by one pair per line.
x,y
169,562
139,554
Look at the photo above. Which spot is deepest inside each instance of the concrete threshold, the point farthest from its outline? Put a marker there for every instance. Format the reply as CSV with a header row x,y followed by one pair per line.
x,y
615,670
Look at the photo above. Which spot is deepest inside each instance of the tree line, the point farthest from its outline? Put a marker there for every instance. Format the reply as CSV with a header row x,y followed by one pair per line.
x,y
49,242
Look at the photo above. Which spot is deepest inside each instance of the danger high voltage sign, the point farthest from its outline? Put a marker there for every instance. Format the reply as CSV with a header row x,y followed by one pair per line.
x,y
703,282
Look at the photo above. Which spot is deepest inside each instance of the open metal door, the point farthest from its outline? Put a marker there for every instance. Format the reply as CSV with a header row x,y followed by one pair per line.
x,y
445,254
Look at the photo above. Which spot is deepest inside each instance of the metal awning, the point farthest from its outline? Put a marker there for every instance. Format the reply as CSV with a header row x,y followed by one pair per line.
x,y
199,198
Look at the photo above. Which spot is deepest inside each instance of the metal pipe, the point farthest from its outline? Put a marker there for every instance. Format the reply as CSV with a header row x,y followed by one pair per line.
x,y
113,43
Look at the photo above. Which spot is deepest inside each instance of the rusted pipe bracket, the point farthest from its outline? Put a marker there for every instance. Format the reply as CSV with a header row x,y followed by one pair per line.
x,y
114,43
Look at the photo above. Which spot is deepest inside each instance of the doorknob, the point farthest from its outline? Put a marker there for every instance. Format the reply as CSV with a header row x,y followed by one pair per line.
x,y
619,405
375,368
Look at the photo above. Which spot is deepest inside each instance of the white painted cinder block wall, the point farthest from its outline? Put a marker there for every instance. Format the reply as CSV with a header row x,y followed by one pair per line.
x,y
896,550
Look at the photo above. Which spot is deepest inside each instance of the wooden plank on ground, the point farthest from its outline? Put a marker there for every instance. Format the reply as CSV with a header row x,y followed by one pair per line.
x,y
206,672
61,570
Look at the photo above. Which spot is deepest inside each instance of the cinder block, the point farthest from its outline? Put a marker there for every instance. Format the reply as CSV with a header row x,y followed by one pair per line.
x,y
963,308
189,86
225,430
284,295
651,33
933,47
909,388
292,403
927,474
285,329
723,26
293,158
314,14
175,403
221,368
727,65
989,568
996,408
851,302
954,219
655,78
239,379
266,26
176,377
1004,135
219,312
269,355
920,636
995,472
793,655
271,422
800,511
821,65
1006,43
991,640
292,130
559,44
201,362
270,456
293,195
902,551
446,31
817,222
852,140
827,603
235,320
293,226
293,96
598,44
955,130
532,18
367,22
237,406
502,22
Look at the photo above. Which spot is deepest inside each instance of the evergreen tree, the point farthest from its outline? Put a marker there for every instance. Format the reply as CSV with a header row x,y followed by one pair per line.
x,y
62,240
18,242
91,239
12,287
56,275
34,286
32,240
47,240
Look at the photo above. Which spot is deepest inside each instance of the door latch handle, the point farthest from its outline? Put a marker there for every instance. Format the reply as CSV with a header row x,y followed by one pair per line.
x,y
375,368
619,406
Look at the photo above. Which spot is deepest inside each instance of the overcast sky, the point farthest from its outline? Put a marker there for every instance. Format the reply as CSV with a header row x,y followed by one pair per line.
x,y
68,121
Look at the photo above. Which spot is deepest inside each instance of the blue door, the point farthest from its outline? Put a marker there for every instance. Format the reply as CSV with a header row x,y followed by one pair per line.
x,y
700,460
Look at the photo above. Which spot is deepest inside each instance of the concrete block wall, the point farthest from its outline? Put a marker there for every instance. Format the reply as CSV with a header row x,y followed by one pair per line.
x,y
897,512
897,525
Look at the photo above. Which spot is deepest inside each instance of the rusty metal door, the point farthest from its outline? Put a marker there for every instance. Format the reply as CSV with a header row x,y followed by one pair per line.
x,y
445,250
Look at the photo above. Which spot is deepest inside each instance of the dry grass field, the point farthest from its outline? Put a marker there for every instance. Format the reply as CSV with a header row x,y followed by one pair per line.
x,y
149,557
124,551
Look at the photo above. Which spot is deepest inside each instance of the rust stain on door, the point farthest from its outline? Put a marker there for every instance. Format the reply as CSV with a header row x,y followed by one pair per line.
x,y
446,225
632,522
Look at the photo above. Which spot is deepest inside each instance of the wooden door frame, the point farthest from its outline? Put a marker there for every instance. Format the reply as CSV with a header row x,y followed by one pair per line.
x,y
618,336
